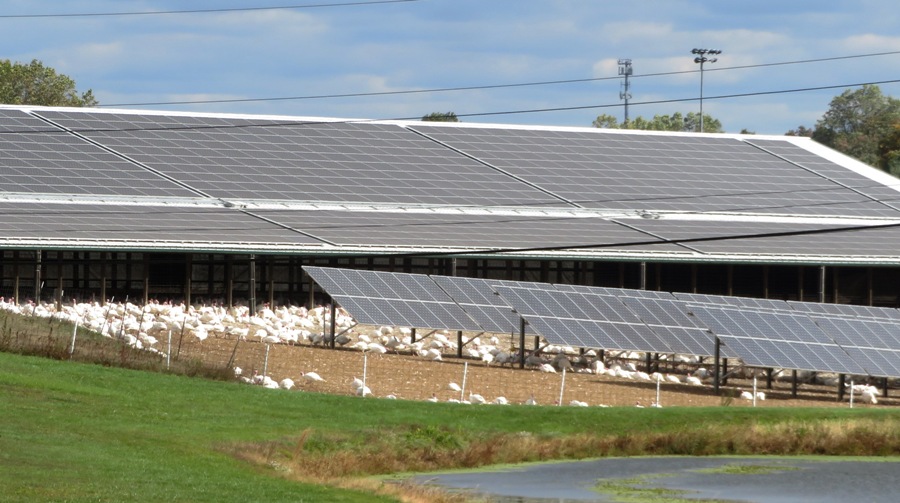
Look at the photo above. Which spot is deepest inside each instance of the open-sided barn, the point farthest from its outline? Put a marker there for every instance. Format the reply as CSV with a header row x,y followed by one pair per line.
x,y
114,203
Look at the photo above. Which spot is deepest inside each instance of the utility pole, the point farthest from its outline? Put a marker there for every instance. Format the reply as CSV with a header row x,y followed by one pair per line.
x,y
625,94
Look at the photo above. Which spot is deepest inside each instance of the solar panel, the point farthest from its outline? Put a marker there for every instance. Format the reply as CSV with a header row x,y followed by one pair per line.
x,y
40,158
776,339
873,194
478,299
367,228
670,321
626,170
724,237
602,317
874,343
293,159
380,298
142,225
848,310
542,312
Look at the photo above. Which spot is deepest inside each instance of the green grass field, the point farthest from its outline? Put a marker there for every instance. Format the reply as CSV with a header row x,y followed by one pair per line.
x,y
79,432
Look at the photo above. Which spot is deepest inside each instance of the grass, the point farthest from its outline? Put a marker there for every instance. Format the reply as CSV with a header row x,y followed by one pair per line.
x,y
76,431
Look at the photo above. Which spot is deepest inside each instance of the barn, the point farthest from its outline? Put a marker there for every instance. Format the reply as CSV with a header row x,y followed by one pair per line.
x,y
102,203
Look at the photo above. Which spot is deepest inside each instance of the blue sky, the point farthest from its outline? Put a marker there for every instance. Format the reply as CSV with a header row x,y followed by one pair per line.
x,y
429,44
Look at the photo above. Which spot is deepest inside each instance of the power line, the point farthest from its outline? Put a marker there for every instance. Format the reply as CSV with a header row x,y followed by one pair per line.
x,y
202,11
480,87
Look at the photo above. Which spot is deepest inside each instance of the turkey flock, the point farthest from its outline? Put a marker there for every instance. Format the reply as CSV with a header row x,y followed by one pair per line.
x,y
150,326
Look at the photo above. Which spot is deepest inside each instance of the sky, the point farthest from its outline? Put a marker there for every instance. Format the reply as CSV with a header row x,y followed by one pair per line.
x,y
535,62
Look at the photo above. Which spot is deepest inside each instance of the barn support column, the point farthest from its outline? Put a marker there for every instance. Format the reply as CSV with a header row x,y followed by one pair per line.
x,y
643,276
145,260
870,286
842,380
104,258
188,276
16,259
835,299
252,292
822,283
270,280
59,280
229,281
769,378
37,276
453,266
794,383
884,387
730,279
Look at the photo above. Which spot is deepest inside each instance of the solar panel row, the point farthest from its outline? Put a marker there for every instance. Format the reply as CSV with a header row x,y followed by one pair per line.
x,y
760,332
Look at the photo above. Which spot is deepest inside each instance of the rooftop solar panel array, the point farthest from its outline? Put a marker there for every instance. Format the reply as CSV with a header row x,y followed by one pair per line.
x,y
454,230
236,158
36,157
175,226
700,173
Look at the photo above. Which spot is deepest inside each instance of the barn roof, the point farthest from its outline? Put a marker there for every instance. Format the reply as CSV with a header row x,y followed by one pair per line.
x,y
98,179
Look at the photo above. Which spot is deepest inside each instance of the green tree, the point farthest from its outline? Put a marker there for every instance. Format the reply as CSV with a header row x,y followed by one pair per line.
x,y
606,121
800,131
36,84
441,117
674,122
859,123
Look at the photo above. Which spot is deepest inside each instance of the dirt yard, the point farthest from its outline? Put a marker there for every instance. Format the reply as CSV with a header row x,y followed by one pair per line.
x,y
412,378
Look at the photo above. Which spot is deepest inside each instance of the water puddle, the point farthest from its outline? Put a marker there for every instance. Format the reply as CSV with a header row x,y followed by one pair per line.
x,y
674,479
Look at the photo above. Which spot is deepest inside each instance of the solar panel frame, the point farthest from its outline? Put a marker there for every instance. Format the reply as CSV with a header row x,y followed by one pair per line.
x,y
399,299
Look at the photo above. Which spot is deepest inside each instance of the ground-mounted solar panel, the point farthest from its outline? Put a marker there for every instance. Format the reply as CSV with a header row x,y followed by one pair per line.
x,y
788,340
39,158
603,317
671,322
702,298
477,297
542,314
847,310
294,159
877,341
399,299
616,292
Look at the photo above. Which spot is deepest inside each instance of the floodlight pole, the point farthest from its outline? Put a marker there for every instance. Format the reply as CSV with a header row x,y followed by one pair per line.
x,y
701,58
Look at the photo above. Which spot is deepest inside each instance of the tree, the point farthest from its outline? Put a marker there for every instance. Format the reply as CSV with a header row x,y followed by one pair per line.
x,y
441,117
36,84
800,131
858,123
674,122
